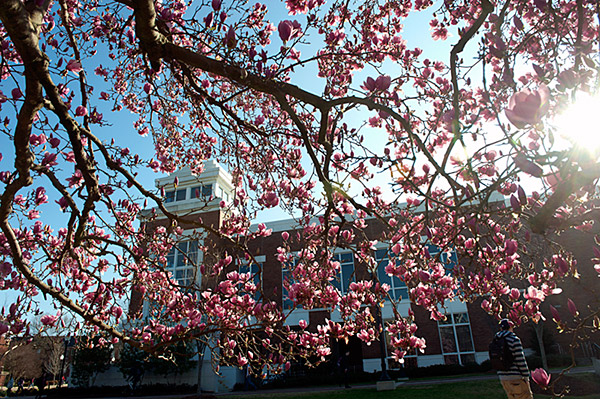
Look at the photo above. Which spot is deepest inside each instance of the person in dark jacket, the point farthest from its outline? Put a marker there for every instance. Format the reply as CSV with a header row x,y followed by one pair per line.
x,y
515,380
41,384
344,366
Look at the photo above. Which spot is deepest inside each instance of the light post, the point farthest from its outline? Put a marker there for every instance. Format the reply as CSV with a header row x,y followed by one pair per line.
x,y
382,346
68,341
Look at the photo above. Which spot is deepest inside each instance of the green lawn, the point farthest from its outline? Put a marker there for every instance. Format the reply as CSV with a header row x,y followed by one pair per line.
x,y
465,390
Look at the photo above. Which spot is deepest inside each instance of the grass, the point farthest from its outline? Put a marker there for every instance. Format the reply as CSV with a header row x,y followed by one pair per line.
x,y
488,389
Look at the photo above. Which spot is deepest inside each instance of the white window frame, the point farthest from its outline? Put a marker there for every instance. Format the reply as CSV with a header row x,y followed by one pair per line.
x,y
451,323
179,260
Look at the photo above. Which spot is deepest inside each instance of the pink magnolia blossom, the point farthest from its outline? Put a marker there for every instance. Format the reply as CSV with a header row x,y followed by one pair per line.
x,y
40,196
242,361
74,66
568,78
534,294
514,294
5,269
382,83
572,307
561,265
37,140
527,107
555,314
522,196
288,29
270,199
33,214
285,30
81,111
54,142
540,4
130,35
63,203
16,93
49,320
510,247
117,311
470,243
528,166
230,40
540,377
208,20
514,203
424,276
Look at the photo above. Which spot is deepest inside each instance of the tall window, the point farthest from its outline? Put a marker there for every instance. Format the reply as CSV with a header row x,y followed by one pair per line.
x,y
456,339
255,272
181,261
346,273
398,289
287,279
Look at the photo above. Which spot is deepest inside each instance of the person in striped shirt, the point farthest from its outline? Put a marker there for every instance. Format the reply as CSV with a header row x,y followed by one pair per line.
x,y
515,380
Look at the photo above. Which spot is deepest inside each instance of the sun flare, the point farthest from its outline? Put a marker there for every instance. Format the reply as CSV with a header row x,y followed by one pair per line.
x,y
580,122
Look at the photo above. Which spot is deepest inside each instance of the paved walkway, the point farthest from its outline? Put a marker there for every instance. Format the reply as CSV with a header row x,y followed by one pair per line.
x,y
420,382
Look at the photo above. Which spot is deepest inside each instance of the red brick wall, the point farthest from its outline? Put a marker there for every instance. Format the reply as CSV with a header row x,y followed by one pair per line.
x,y
483,326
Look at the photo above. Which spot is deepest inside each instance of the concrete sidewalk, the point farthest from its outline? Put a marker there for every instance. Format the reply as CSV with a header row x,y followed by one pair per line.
x,y
419,382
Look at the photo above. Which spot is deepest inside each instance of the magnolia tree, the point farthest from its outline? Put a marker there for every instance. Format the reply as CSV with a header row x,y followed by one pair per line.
x,y
419,140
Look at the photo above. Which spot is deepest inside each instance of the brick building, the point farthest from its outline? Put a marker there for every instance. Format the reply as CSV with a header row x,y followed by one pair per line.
x,y
463,338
